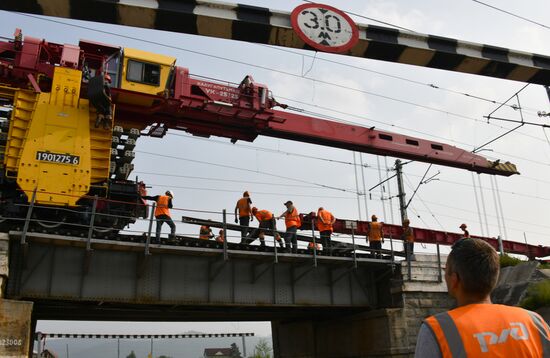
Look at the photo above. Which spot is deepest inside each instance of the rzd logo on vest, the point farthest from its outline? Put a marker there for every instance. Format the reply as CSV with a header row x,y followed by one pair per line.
x,y
518,331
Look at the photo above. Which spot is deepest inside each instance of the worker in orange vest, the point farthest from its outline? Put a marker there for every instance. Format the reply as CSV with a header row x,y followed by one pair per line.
x,y
292,222
243,214
376,236
325,220
465,233
205,232
221,237
265,223
478,328
408,239
162,213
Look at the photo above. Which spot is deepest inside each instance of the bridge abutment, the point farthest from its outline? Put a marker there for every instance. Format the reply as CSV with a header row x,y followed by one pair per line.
x,y
386,332
15,316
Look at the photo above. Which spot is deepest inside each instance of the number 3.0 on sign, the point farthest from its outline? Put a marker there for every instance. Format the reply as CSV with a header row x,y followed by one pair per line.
x,y
324,28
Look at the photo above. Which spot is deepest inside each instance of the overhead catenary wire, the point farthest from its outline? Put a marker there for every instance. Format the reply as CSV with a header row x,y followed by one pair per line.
x,y
370,166
368,18
247,170
409,184
265,68
512,14
395,126
532,111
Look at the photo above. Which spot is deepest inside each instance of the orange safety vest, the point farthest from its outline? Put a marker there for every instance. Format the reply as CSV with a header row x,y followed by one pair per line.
x,y
327,218
490,330
408,235
375,232
162,206
292,219
205,233
263,215
243,205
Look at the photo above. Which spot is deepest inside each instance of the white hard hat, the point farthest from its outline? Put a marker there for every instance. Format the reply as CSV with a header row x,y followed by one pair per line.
x,y
170,193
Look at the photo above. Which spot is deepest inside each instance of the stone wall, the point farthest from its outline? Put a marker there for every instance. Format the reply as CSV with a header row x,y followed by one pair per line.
x,y
420,297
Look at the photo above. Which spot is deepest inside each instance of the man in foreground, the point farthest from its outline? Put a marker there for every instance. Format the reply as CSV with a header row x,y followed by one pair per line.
x,y
478,328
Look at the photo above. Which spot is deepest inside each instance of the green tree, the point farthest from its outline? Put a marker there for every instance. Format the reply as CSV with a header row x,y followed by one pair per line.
x,y
235,352
262,349
131,355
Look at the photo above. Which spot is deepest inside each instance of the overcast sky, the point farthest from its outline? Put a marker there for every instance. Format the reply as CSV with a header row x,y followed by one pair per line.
x,y
452,118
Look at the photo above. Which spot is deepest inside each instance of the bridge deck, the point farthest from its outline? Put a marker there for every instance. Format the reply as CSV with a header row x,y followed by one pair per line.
x,y
59,273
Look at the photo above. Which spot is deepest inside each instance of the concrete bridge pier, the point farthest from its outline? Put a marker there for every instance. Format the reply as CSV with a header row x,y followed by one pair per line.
x,y
16,324
385,332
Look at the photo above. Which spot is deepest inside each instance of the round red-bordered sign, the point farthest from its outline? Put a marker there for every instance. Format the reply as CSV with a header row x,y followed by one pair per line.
x,y
324,27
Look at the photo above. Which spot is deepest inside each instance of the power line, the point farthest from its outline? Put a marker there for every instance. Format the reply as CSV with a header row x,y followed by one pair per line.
x,y
458,115
395,126
369,166
224,180
247,170
531,111
512,14
255,192
369,18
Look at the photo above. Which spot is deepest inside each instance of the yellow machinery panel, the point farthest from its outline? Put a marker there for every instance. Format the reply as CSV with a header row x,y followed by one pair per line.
x,y
56,156
144,72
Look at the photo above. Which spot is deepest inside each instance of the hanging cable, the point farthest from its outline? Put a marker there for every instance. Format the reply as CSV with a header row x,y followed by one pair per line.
x,y
477,205
390,197
497,212
423,203
357,186
483,204
382,188
501,211
365,199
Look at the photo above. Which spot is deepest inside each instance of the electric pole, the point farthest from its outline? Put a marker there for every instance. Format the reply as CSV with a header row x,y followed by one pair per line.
x,y
401,190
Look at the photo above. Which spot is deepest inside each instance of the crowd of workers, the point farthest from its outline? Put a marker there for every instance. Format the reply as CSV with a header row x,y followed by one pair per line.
x,y
245,213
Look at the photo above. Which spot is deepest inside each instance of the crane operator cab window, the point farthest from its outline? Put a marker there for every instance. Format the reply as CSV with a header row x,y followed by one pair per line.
x,y
142,72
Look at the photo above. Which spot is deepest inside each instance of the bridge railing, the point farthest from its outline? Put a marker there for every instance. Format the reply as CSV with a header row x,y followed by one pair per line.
x,y
92,221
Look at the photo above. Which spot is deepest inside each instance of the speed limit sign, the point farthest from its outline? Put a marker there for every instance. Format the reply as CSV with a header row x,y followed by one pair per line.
x,y
324,27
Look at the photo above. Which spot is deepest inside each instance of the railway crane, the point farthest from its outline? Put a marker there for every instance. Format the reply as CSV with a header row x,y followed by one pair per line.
x,y
55,156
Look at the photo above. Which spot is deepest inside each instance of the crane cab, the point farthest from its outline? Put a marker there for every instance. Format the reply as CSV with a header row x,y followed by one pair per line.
x,y
143,73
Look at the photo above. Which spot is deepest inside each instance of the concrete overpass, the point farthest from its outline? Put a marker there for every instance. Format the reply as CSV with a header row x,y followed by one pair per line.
x,y
269,26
